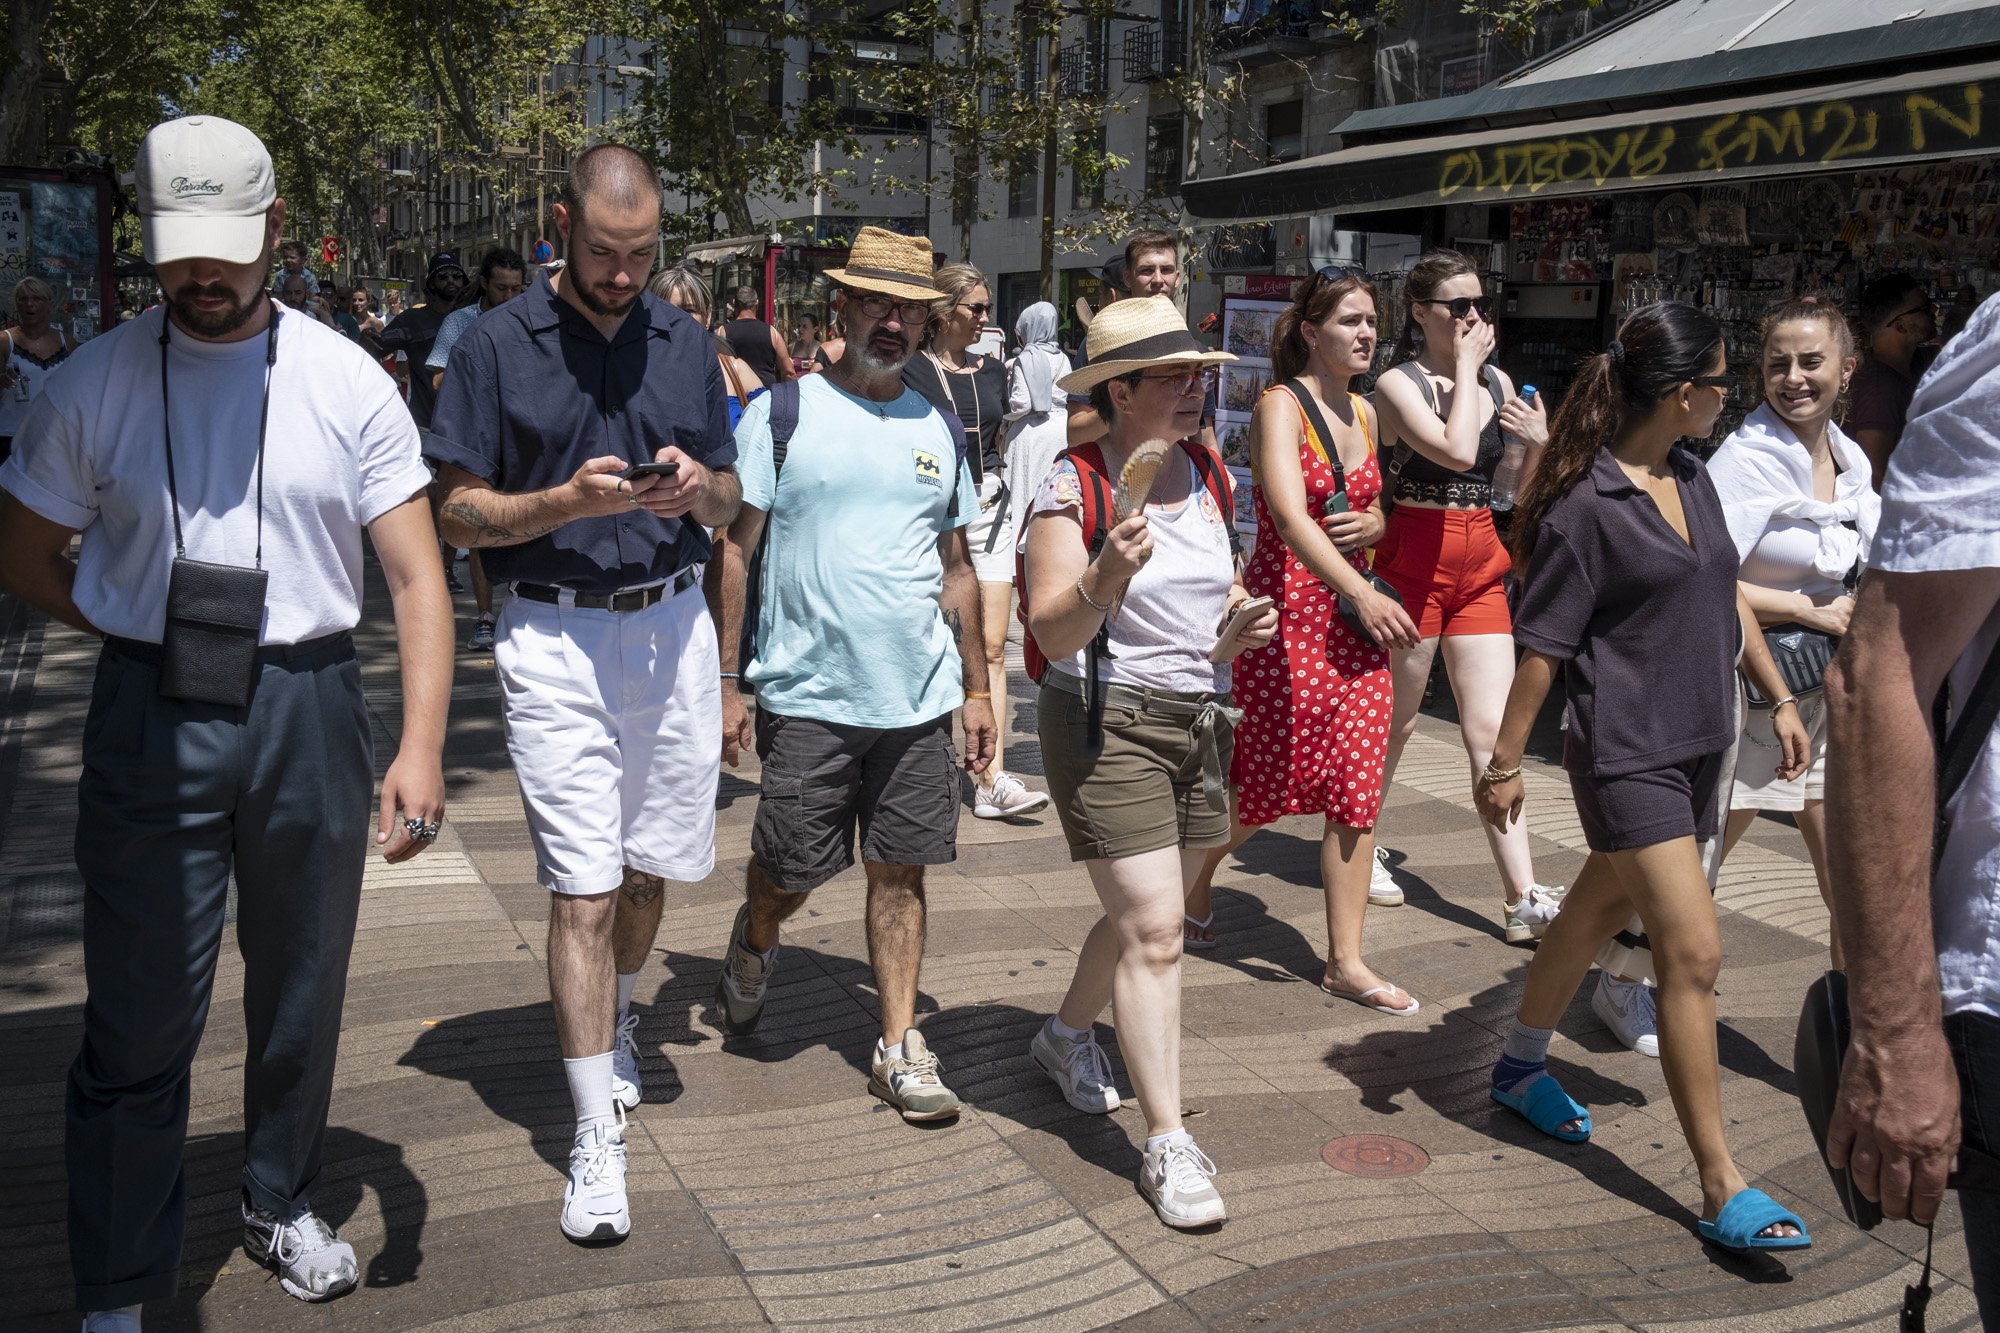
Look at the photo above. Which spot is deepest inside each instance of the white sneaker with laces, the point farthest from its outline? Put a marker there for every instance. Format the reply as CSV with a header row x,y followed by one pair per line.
x,y
1627,1009
594,1209
312,1262
1178,1181
914,1085
625,1089
1530,918
1383,891
1079,1068
1005,797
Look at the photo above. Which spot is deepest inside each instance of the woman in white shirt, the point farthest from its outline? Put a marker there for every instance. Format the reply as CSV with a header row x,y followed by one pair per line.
x,y
1138,760
1795,490
1037,412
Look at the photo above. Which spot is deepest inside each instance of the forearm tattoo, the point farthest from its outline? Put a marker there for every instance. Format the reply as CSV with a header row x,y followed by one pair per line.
x,y
640,889
487,532
955,622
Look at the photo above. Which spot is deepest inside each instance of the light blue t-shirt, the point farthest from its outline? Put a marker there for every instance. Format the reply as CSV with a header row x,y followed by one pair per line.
x,y
849,630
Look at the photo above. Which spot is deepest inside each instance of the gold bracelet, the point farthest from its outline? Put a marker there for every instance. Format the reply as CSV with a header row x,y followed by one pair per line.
x,y
978,694
1493,776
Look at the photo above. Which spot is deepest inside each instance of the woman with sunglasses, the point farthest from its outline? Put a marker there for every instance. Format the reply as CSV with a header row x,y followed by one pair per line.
x,y
1631,592
1444,408
971,389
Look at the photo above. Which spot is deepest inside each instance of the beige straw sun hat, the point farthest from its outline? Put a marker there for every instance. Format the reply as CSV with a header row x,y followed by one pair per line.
x,y
889,262
1134,334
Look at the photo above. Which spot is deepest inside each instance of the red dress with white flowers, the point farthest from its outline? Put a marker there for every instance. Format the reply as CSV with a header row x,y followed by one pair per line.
x,y
1317,699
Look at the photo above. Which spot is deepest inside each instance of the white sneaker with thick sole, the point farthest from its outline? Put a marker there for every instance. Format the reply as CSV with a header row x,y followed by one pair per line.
x,y
625,1089
1005,797
1079,1068
1627,1009
914,1085
1530,918
311,1260
746,976
1178,1181
594,1210
1383,891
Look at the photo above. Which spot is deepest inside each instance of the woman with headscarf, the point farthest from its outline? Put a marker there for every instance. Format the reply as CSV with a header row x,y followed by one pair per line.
x,y
1037,412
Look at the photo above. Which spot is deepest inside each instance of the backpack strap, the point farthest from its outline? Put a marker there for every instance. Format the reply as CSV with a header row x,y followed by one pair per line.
x,y
1491,374
784,422
1094,509
1216,480
1957,755
1422,381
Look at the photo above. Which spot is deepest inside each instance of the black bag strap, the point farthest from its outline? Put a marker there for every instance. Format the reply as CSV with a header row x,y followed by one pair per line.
x,y
784,423
1969,731
1488,372
1310,408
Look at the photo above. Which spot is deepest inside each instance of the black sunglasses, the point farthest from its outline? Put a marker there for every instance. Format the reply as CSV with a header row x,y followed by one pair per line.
x,y
1341,273
1461,306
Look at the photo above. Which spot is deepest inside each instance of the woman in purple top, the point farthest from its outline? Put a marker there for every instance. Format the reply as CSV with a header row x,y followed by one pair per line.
x,y
1631,592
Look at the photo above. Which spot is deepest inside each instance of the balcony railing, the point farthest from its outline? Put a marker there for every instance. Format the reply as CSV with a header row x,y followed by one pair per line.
x,y
1156,51
1083,71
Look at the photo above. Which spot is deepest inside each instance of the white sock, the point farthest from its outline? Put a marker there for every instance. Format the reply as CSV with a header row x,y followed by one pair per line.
x,y
627,983
1065,1031
1159,1141
590,1091
886,1054
124,1319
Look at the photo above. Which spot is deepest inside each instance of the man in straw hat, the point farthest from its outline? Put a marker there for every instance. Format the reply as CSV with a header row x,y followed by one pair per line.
x,y
191,771
606,652
867,638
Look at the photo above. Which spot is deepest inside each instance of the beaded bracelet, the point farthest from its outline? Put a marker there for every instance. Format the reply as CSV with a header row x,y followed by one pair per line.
x,y
1102,608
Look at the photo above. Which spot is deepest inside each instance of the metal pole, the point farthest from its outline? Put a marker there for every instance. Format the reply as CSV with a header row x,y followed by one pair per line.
x,y
541,154
1049,149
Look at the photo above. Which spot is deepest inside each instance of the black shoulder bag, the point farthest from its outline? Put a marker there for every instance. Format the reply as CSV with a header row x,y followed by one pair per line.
x,y
1349,614
208,652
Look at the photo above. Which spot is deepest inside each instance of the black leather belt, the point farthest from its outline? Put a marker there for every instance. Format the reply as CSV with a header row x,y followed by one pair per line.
x,y
306,656
636,599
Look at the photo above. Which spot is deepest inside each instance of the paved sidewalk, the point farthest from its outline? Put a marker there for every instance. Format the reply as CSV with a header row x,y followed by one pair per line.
x,y
769,1188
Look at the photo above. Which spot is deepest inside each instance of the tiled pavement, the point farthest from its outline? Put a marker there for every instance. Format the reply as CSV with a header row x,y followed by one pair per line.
x,y
769,1188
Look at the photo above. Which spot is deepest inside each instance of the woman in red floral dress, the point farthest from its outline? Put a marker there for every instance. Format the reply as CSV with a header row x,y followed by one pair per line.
x,y
1317,700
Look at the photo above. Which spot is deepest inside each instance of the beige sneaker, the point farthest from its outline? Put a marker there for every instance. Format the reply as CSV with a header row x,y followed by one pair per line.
x,y
913,1084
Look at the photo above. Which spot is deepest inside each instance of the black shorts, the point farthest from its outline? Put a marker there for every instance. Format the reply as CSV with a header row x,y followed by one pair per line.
x,y
1658,805
821,780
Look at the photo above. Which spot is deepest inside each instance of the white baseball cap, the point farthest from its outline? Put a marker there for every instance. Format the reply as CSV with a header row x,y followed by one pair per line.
x,y
204,185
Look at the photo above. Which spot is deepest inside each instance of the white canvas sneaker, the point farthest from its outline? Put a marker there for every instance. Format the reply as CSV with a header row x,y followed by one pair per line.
x,y
1006,797
1079,1068
1627,1009
594,1210
625,1089
1178,1181
1530,918
1383,891
312,1262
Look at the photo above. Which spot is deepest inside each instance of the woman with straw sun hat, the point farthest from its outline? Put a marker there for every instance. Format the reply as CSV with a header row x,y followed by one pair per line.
x,y
1128,595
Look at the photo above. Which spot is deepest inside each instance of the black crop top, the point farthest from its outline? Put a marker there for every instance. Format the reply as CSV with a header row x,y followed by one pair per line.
x,y
1415,477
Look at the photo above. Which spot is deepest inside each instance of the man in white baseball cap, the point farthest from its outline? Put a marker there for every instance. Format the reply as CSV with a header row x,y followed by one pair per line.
x,y
227,731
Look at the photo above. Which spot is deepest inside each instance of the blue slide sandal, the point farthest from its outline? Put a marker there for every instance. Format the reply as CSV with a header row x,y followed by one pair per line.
x,y
1548,1108
1748,1212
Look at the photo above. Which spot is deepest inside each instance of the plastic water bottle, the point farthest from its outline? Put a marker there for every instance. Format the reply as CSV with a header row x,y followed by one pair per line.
x,y
1513,453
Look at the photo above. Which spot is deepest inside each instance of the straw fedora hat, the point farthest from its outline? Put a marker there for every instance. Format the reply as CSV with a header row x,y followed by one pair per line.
x,y
889,262
1133,334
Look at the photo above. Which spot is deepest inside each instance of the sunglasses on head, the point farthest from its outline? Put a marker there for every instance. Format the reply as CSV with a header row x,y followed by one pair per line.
x,y
1341,273
1461,306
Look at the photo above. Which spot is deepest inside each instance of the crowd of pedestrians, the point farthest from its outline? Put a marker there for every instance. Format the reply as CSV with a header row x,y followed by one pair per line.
x,y
686,513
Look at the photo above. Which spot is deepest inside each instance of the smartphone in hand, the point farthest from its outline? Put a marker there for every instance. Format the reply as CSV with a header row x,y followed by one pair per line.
x,y
666,469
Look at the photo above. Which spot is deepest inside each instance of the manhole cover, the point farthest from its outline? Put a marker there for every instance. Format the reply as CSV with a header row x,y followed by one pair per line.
x,y
1375,1156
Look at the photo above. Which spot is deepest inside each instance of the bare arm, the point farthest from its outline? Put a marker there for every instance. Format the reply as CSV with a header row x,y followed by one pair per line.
x,y
1062,618
474,514
782,356
35,564
406,544
1451,441
1897,1119
1085,425
1775,606
960,603
723,584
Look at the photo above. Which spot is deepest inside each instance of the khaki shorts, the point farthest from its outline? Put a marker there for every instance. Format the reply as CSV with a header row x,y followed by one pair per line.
x,y
1757,785
1139,792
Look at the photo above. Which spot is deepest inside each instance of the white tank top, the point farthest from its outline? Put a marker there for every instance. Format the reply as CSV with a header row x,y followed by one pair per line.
x,y
30,372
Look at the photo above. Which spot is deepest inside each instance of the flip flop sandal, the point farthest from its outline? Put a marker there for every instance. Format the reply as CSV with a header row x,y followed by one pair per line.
x,y
1366,999
1548,1108
1189,941
1748,1212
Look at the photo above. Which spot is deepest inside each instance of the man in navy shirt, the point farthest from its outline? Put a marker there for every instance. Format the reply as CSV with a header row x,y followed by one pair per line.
x,y
606,652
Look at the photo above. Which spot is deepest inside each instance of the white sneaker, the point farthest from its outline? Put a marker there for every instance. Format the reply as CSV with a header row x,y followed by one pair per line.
x,y
125,1319
914,1085
1005,797
1079,1068
1383,891
1627,1009
1176,1180
625,1089
1530,918
594,1209
312,1262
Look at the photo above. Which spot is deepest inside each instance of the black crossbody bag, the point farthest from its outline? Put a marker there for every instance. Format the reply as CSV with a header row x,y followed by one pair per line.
x,y
1349,615
1824,1028
1802,655
215,612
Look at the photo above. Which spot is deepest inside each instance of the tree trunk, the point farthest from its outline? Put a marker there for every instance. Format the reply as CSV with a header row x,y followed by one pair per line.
x,y
26,21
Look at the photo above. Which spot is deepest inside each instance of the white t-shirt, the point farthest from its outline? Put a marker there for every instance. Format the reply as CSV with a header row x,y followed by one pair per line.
x,y
341,452
1161,636
1941,511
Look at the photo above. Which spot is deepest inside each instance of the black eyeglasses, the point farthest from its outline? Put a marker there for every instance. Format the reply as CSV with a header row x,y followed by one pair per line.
x,y
1461,306
878,307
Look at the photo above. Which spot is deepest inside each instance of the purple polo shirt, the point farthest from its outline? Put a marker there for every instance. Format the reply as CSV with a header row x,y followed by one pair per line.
x,y
1644,624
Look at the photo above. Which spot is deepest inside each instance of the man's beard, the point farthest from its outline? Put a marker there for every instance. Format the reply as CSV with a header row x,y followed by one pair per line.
x,y
881,364
211,325
598,305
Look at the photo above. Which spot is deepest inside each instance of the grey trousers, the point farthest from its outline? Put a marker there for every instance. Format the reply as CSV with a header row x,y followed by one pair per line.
x,y
175,795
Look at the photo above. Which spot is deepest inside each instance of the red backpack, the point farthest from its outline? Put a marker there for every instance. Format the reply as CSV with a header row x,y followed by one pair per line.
x,y
1096,516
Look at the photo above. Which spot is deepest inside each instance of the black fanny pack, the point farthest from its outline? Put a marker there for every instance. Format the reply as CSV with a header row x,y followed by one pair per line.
x,y
1802,656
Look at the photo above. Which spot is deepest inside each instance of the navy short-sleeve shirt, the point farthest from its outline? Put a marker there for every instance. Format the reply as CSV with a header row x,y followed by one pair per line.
x,y
534,391
1644,623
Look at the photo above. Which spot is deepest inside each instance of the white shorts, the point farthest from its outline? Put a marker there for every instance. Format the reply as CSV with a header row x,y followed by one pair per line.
x,y
992,532
614,723
1757,785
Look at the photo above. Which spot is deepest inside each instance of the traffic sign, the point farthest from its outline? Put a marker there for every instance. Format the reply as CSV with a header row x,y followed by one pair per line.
x,y
543,252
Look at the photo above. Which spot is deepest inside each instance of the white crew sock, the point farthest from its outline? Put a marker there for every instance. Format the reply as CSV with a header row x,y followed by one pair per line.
x,y
887,1054
1065,1031
1159,1141
590,1090
627,983
125,1319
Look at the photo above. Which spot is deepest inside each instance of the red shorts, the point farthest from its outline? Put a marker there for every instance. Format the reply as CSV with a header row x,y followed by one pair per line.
x,y
1450,568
